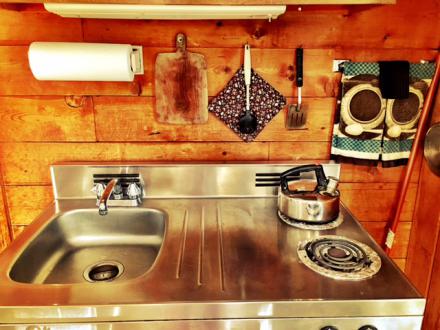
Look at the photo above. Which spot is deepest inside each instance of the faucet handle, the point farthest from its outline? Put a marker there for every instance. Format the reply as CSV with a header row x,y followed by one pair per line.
x,y
134,191
98,189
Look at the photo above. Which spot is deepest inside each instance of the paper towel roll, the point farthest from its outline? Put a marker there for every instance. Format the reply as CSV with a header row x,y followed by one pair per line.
x,y
80,61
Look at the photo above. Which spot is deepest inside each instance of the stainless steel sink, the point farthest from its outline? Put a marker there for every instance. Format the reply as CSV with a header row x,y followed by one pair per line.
x,y
81,246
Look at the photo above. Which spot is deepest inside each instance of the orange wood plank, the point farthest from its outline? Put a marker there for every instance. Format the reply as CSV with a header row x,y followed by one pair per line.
x,y
274,65
21,27
432,312
27,202
404,25
400,248
385,54
375,201
47,119
280,151
16,79
132,119
4,231
28,163
361,173
425,233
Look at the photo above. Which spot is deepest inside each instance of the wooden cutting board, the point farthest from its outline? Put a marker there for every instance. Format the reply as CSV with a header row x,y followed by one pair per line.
x,y
181,86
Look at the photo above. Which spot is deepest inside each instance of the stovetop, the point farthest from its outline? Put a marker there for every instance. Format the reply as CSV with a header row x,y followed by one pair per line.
x,y
224,256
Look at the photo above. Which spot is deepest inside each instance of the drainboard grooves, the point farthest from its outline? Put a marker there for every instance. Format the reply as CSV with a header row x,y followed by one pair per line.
x,y
201,247
220,249
182,244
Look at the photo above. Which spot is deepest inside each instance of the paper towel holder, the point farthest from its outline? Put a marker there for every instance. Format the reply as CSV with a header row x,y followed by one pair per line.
x,y
82,61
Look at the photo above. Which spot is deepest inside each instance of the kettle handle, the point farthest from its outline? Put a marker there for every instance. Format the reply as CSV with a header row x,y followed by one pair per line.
x,y
296,171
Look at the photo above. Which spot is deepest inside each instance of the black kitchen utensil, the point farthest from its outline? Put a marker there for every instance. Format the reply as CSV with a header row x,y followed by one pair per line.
x,y
297,113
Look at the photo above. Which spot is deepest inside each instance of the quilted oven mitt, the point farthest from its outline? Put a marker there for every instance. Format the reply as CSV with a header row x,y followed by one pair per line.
x,y
229,105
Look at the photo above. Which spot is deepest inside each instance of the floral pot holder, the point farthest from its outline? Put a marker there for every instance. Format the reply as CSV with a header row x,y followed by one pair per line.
x,y
229,105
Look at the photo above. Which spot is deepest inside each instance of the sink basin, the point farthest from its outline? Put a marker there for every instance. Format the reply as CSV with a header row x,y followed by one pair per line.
x,y
81,246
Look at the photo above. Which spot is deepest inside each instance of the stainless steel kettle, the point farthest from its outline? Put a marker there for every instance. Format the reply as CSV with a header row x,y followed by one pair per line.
x,y
320,205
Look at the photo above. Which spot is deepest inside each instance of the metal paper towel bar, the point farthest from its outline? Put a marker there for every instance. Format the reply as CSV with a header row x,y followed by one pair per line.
x,y
137,60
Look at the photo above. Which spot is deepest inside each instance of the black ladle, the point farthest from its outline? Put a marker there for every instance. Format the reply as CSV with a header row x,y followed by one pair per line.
x,y
248,122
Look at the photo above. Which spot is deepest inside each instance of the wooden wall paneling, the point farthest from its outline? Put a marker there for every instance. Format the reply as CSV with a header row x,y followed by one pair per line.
x,y
375,201
400,248
424,236
21,26
27,202
28,163
365,173
274,65
425,233
4,227
293,151
47,119
387,54
132,119
313,28
432,312
404,25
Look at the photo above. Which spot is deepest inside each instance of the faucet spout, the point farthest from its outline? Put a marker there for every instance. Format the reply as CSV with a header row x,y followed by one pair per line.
x,y
102,204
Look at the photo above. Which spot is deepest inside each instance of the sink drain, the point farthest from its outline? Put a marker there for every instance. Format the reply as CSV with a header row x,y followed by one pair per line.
x,y
104,271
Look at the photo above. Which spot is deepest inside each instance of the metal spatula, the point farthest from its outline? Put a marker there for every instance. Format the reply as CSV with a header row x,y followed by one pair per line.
x,y
296,113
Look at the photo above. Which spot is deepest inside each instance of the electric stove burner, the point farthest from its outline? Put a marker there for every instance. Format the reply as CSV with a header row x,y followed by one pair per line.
x,y
339,258
311,226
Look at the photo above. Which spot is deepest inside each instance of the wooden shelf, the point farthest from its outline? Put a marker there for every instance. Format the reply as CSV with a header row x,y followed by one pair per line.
x,y
217,2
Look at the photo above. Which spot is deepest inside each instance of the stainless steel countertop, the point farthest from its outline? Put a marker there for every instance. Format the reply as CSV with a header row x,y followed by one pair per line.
x,y
221,258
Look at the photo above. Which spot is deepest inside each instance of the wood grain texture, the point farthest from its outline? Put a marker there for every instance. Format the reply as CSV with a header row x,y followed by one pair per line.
x,y
425,233
181,87
47,119
21,26
377,231
4,231
424,236
375,201
404,25
27,202
132,119
274,65
28,163
14,60
432,311
365,173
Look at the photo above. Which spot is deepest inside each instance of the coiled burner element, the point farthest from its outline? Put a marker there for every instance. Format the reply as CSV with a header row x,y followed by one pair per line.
x,y
337,254
339,257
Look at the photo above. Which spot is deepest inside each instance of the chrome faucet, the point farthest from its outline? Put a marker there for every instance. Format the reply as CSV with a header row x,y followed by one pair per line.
x,y
103,200
117,190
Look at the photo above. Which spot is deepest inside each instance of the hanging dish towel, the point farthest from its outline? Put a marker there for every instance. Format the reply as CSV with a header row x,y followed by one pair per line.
x,y
229,105
358,132
402,116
